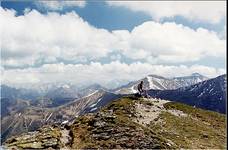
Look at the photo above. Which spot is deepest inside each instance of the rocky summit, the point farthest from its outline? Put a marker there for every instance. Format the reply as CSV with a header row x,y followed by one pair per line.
x,y
132,123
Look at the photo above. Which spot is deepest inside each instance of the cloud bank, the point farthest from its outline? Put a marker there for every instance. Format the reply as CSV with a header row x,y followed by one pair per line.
x,y
57,47
205,11
96,72
37,38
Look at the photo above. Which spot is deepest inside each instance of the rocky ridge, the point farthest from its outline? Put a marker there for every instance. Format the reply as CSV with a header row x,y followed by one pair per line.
x,y
132,123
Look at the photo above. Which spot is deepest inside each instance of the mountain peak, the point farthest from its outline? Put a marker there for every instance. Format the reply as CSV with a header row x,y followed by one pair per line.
x,y
65,86
196,74
156,76
157,82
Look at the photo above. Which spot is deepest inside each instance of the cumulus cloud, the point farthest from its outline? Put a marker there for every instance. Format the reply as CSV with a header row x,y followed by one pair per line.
x,y
96,72
60,5
206,11
36,38
171,42
46,40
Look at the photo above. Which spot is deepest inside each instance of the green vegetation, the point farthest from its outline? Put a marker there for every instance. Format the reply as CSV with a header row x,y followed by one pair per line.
x,y
113,127
145,102
200,129
46,137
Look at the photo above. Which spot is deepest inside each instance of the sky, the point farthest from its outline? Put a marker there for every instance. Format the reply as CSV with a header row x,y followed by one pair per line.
x,y
109,42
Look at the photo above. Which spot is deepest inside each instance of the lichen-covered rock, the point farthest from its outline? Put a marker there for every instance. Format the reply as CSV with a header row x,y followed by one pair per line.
x,y
113,127
45,137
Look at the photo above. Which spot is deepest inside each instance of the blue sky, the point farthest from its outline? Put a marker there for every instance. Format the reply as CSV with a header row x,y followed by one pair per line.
x,y
117,33
98,14
101,15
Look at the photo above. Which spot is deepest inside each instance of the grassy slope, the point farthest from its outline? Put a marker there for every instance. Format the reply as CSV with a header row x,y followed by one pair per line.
x,y
200,129
124,132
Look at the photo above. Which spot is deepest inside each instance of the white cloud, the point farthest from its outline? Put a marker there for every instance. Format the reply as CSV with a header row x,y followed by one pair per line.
x,y
37,38
60,5
206,11
169,42
96,72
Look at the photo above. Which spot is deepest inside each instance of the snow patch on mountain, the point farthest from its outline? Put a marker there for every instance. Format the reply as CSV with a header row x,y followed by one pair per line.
x,y
93,109
93,105
133,90
49,117
90,94
66,86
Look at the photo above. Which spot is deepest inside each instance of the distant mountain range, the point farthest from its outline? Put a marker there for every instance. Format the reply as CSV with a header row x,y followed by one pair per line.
x,y
23,116
161,83
70,91
26,110
209,94
53,97
21,93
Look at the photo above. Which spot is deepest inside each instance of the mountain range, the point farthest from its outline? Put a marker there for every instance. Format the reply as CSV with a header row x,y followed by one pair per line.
x,y
209,94
57,94
24,116
161,83
25,110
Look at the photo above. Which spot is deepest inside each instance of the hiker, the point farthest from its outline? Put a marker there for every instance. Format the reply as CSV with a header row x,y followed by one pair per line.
x,y
142,92
140,88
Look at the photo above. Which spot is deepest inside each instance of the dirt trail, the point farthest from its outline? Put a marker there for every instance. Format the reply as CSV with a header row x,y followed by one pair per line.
x,y
65,138
147,113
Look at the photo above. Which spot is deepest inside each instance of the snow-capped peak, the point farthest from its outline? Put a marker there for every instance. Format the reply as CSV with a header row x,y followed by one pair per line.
x,y
65,86
196,74
161,83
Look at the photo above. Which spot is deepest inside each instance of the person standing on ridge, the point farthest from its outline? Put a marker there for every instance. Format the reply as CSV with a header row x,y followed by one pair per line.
x,y
142,92
140,88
